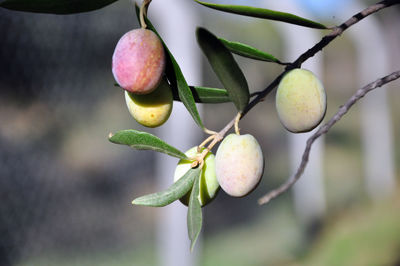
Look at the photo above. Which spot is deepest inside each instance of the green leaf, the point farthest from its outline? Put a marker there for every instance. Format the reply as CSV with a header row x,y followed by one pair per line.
x,y
194,215
206,95
144,141
248,51
55,6
226,68
174,192
185,94
176,78
265,14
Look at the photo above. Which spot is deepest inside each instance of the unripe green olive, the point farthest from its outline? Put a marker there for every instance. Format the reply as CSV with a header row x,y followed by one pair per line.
x,y
239,164
300,101
153,109
138,62
208,185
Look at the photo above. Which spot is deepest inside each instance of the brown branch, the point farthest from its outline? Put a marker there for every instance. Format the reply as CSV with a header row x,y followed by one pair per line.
x,y
336,31
360,93
260,95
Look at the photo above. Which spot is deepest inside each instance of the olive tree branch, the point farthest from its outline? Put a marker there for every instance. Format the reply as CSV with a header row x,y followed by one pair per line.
x,y
336,31
327,39
360,93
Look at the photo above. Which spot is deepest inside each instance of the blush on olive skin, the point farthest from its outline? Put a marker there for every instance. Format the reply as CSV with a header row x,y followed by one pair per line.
x,y
208,185
153,109
300,101
239,164
138,62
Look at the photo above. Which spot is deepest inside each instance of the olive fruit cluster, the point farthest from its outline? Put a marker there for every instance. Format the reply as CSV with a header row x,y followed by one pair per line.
x,y
138,65
237,167
300,101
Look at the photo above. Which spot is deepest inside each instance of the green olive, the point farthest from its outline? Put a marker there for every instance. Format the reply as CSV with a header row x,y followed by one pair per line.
x,y
153,109
208,185
300,101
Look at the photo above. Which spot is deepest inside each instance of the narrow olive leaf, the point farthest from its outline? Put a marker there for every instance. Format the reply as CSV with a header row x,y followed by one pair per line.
x,y
185,94
174,192
176,78
144,141
205,95
55,6
194,215
226,68
248,51
265,14
210,95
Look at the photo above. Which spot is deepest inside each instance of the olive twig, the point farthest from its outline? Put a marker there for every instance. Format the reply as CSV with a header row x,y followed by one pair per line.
x,y
215,138
200,159
210,132
237,118
360,93
143,12
327,39
210,138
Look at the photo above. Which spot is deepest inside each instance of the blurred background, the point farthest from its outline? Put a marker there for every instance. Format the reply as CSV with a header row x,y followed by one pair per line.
x,y
66,191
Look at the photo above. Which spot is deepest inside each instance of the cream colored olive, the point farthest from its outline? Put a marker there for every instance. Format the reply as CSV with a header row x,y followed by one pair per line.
x,y
239,164
208,185
153,109
300,101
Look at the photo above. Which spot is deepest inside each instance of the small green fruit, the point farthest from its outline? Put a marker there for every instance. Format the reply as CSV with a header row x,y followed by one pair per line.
x,y
208,185
153,109
300,101
239,164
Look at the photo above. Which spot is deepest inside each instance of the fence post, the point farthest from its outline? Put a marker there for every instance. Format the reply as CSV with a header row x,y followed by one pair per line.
x,y
376,126
308,192
176,21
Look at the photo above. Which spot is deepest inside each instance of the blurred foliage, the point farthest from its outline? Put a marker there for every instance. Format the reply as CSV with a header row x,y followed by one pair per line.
x,y
367,234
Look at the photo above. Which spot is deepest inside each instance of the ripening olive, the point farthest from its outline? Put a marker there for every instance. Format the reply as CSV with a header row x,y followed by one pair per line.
x,y
300,101
239,164
138,61
153,109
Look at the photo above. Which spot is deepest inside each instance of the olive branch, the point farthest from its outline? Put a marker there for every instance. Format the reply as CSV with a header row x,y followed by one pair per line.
x,y
326,40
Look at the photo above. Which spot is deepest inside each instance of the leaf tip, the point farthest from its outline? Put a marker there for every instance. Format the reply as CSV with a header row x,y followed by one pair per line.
x,y
137,202
192,244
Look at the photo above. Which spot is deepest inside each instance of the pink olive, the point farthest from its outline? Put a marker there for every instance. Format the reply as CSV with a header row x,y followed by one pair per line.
x,y
138,62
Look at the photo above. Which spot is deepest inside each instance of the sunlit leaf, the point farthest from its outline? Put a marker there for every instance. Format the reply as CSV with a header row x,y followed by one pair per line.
x,y
248,51
55,6
174,192
265,14
144,141
225,67
194,215
176,78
